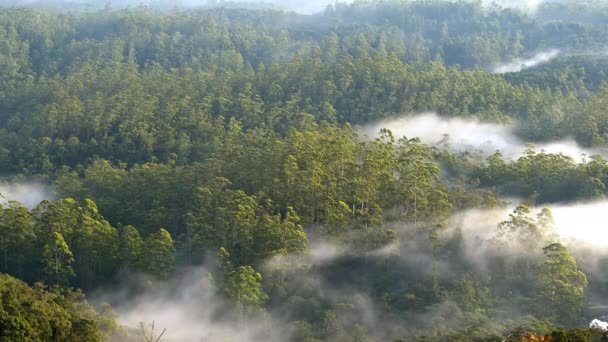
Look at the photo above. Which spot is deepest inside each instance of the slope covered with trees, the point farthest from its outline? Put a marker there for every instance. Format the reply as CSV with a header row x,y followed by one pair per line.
x,y
226,137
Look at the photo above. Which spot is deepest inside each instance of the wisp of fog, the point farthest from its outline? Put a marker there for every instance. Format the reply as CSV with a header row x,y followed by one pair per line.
x,y
526,63
581,224
530,6
28,194
300,6
189,308
470,135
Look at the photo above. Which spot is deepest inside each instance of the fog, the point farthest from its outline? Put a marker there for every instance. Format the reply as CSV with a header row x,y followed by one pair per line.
x,y
187,306
471,135
529,6
581,224
29,194
526,63
191,310
300,6
599,325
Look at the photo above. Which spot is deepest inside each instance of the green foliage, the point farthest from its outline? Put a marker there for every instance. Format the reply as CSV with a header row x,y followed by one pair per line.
x,y
560,289
244,286
231,128
16,231
543,176
58,259
171,93
131,248
157,255
35,314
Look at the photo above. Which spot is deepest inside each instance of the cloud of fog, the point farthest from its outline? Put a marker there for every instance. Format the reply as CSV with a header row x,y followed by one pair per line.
x,y
526,63
191,310
315,6
28,194
599,325
583,223
580,225
187,306
300,6
530,6
470,135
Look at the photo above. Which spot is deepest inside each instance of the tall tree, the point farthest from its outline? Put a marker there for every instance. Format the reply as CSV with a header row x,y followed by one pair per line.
x,y
58,260
130,248
16,229
157,256
244,286
560,287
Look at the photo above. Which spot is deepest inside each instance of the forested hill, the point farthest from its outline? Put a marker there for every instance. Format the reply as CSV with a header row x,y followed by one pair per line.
x,y
207,168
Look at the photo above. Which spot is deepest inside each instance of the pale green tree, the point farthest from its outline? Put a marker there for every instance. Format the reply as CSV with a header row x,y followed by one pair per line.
x,y
157,257
58,259
560,287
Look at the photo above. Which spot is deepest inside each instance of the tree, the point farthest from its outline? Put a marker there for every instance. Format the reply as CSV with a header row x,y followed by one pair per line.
x,y
157,256
241,284
35,313
95,245
130,248
58,260
106,323
15,229
560,286
244,285
523,230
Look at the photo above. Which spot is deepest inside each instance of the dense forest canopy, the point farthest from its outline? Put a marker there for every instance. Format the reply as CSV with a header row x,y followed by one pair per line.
x,y
238,172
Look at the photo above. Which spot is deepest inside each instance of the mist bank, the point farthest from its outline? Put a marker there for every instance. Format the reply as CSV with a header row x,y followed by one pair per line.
x,y
189,308
462,135
29,194
583,224
530,5
579,224
299,6
526,63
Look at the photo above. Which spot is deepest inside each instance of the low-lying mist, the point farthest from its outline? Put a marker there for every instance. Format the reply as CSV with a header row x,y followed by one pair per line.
x,y
186,306
529,5
29,194
583,224
191,310
300,6
471,135
526,63
580,224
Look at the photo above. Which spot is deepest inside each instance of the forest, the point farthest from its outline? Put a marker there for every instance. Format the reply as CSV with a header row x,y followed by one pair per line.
x,y
382,170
